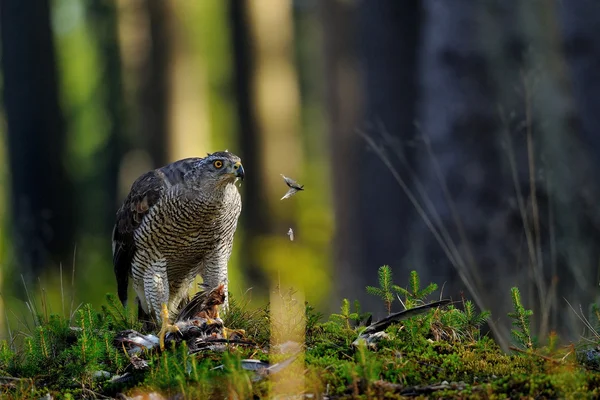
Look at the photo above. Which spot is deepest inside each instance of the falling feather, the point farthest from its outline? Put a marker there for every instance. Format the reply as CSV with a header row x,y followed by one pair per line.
x,y
294,187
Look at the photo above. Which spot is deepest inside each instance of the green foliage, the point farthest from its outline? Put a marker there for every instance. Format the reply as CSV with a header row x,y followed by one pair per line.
x,y
255,322
59,355
442,345
594,319
238,384
312,319
386,288
365,370
289,323
349,318
177,371
465,324
552,345
415,295
521,320
117,317
7,358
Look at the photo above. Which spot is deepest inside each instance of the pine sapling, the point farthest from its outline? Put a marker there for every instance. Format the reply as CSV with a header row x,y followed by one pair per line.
x,y
470,321
345,315
521,320
552,342
415,295
386,288
118,318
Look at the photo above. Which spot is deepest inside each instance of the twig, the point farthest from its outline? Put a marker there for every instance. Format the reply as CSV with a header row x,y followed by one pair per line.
x,y
71,313
534,354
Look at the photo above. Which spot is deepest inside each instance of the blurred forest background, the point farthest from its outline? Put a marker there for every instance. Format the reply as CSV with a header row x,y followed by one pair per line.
x,y
458,138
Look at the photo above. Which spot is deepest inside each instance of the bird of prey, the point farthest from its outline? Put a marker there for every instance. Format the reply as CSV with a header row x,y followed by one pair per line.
x,y
294,187
291,234
177,221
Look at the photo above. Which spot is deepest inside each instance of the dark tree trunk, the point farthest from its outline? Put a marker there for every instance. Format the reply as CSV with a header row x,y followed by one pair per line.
x,y
340,63
459,162
579,22
42,198
155,84
103,186
389,33
254,218
581,45
560,121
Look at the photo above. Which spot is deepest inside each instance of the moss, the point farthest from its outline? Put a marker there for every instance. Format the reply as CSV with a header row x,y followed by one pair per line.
x,y
438,354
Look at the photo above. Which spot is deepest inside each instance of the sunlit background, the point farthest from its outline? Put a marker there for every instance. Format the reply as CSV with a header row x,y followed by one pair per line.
x,y
455,138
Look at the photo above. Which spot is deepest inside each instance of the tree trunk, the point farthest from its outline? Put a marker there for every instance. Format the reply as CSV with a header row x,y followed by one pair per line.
x,y
389,32
340,64
572,186
581,46
42,197
579,20
103,16
467,245
254,218
154,87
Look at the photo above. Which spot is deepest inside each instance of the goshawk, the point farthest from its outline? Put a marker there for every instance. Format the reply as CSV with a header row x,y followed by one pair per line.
x,y
178,221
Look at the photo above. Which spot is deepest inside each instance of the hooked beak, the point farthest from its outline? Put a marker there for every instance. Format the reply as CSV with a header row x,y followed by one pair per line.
x,y
239,170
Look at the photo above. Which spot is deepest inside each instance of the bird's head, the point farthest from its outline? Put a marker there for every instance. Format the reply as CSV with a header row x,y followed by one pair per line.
x,y
220,168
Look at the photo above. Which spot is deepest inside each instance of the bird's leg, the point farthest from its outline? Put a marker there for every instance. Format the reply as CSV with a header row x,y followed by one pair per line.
x,y
214,276
166,326
156,287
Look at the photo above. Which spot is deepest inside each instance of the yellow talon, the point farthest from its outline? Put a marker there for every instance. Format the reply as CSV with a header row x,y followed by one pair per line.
x,y
166,326
227,333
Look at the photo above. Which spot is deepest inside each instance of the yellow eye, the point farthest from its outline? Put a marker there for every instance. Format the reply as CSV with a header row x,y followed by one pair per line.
x,y
218,164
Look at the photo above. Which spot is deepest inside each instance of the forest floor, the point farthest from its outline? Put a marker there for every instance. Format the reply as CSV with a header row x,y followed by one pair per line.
x,y
439,353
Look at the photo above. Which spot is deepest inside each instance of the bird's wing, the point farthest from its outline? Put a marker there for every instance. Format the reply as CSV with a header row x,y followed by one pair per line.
x,y
289,193
292,183
145,192
201,301
289,181
399,316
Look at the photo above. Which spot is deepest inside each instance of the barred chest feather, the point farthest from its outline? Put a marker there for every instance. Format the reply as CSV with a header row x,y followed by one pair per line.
x,y
188,229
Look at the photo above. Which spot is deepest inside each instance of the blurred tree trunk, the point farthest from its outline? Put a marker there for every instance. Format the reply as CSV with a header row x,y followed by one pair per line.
x,y
459,165
571,184
579,21
254,217
340,64
508,246
155,99
103,16
389,37
42,197
275,105
581,45
507,178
